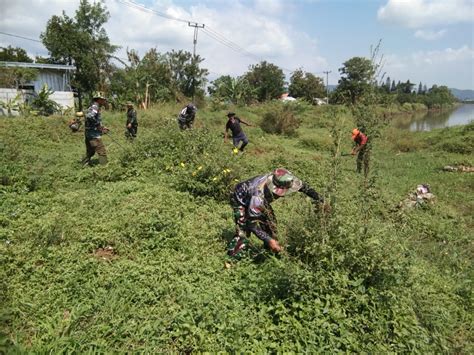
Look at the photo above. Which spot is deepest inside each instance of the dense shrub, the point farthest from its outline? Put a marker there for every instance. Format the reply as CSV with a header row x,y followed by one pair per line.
x,y
281,120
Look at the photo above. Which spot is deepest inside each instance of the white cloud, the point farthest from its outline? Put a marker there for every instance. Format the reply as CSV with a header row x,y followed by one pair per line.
x,y
430,35
421,13
444,56
271,39
274,7
449,66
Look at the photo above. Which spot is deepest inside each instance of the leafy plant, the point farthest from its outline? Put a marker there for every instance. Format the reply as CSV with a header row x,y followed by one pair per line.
x,y
44,104
280,120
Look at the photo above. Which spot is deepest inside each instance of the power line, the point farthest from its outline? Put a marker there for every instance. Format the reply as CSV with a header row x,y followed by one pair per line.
x,y
134,5
17,36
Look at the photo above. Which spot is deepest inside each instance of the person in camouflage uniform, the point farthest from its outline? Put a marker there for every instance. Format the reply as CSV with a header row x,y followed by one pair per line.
x,y
132,123
186,116
253,213
94,131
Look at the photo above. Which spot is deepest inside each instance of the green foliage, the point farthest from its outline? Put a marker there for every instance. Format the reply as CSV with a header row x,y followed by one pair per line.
x,y
356,80
82,41
280,119
14,78
266,79
43,104
129,257
188,78
306,85
234,90
17,54
144,81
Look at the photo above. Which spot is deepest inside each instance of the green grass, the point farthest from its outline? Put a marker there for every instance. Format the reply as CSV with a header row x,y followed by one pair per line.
x,y
404,286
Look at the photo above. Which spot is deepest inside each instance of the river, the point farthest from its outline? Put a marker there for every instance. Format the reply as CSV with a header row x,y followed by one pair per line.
x,y
426,121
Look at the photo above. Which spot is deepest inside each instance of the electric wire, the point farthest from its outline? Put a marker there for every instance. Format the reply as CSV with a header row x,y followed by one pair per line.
x,y
134,5
18,36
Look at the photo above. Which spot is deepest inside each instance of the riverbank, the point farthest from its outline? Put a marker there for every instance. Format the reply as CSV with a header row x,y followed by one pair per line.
x,y
130,257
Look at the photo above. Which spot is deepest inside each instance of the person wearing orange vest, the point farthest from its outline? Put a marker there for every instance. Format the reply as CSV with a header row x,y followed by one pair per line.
x,y
360,140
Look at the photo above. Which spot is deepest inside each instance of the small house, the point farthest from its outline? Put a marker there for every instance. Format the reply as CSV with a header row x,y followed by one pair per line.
x,y
57,77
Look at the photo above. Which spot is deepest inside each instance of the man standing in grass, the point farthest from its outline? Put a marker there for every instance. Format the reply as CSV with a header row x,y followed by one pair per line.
x,y
252,210
94,131
132,123
360,140
238,135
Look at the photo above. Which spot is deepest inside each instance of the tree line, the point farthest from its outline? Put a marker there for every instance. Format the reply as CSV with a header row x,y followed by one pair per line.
x,y
178,75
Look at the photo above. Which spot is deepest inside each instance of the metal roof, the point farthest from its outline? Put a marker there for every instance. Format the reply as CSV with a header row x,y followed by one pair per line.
x,y
38,65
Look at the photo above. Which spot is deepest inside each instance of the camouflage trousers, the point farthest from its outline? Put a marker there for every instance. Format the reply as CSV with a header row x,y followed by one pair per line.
x,y
93,146
264,227
363,159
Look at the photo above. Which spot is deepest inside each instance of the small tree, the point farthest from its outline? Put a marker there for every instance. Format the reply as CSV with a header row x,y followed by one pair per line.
x,y
356,79
43,103
236,90
306,85
267,80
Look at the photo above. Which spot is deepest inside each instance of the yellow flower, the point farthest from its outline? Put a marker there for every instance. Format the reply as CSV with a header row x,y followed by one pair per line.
x,y
235,150
214,178
194,173
236,180
199,168
182,164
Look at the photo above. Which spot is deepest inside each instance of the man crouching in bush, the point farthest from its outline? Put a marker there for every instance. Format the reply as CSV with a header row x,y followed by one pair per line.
x,y
252,210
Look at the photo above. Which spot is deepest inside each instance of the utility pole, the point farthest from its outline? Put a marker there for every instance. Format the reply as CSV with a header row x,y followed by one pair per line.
x,y
327,85
195,39
196,28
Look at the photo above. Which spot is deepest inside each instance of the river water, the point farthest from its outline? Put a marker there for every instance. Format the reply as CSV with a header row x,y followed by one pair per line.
x,y
426,121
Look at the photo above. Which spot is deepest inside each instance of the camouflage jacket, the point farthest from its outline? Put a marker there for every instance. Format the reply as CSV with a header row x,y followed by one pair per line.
x,y
132,117
93,122
187,115
255,195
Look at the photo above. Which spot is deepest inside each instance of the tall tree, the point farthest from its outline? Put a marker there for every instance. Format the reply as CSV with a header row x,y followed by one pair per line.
x,y
82,41
420,89
306,85
356,80
187,76
17,54
387,84
393,88
144,80
267,79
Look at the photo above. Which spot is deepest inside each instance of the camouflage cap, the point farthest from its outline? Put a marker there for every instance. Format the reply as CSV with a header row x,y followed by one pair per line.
x,y
282,182
99,95
129,103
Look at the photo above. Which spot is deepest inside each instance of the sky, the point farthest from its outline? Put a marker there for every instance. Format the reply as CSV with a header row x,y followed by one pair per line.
x,y
428,41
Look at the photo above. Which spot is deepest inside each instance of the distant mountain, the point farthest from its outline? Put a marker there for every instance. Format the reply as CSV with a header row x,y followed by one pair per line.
x,y
463,95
